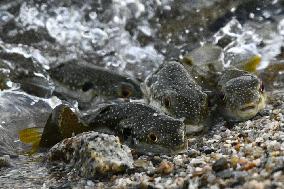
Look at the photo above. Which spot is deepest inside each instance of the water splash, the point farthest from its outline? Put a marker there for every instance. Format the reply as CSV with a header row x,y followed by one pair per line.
x,y
252,38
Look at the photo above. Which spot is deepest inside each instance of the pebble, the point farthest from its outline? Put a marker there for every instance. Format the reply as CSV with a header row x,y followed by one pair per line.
x,y
207,150
193,153
225,174
254,185
144,164
197,162
220,165
165,167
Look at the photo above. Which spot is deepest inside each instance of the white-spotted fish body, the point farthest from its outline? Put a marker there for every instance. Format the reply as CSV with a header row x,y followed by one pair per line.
x,y
175,92
242,95
141,127
86,83
236,91
205,64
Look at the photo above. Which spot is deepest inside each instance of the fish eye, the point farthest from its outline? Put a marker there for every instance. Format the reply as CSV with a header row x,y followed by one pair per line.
x,y
261,87
153,137
167,101
87,86
126,90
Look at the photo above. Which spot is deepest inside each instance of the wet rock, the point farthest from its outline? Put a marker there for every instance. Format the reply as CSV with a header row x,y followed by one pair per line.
x,y
207,150
143,164
225,174
38,86
92,154
7,146
193,153
220,165
254,185
27,72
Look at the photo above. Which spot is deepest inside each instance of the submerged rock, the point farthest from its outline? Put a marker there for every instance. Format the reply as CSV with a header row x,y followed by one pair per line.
x,y
92,154
26,71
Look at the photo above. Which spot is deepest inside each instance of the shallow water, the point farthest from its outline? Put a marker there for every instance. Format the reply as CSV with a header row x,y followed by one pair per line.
x,y
131,36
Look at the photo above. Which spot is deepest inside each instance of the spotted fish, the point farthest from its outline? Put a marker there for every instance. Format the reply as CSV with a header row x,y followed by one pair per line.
x,y
242,95
172,89
86,83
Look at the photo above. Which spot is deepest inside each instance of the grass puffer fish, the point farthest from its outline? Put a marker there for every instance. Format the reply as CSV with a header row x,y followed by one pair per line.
x,y
242,95
141,127
172,89
88,83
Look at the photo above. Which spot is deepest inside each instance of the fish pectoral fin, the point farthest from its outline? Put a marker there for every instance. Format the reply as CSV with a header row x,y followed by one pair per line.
x,y
30,135
252,64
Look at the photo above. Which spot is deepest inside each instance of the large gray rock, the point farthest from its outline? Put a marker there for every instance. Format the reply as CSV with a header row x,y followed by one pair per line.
x,y
92,154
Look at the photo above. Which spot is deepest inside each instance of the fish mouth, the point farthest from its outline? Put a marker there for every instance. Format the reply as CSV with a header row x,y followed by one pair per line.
x,y
247,111
248,107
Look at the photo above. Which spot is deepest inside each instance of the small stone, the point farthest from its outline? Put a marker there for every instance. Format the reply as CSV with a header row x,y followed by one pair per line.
x,y
198,172
225,174
156,160
220,165
178,160
234,162
254,185
275,153
193,153
197,162
207,150
165,167
144,164
182,174
249,166
90,183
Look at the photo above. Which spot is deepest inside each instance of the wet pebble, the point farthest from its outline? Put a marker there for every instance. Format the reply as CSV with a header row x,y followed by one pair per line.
x,y
220,165
165,167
